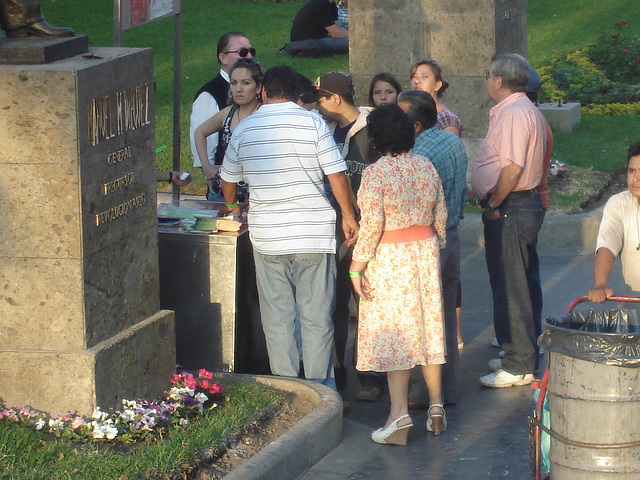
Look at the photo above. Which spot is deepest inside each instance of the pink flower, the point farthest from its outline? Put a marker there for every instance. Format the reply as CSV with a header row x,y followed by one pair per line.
x,y
215,389
616,23
189,381
77,422
176,378
204,384
205,374
623,22
638,59
625,51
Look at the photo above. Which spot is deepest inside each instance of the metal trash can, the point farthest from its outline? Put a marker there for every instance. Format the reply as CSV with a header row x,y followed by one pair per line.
x,y
594,393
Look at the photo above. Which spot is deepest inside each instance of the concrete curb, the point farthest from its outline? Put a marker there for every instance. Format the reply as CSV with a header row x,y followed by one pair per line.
x,y
558,231
311,438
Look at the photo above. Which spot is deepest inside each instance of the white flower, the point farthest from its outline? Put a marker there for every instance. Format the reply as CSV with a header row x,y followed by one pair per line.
x,y
98,415
97,430
128,415
39,424
110,431
200,397
56,424
183,422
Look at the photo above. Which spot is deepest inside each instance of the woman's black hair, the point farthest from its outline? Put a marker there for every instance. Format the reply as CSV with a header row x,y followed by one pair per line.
x,y
383,77
251,64
390,129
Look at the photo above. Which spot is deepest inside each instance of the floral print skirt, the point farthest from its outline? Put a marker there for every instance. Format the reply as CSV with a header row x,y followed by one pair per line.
x,y
403,325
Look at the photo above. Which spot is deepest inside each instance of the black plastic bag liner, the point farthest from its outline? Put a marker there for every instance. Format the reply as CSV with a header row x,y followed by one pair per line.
x,y
608,336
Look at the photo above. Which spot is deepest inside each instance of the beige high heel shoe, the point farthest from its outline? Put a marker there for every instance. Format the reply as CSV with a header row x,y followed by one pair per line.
x,y
436,423
393,434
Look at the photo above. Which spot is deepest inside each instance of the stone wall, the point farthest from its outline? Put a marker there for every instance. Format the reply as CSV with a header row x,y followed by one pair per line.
x,y
80,322
461,35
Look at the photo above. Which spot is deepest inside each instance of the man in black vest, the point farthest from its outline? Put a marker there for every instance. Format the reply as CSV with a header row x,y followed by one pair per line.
x,y
213,95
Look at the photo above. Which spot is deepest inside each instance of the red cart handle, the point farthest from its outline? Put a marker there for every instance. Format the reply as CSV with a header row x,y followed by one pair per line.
x,y
615,298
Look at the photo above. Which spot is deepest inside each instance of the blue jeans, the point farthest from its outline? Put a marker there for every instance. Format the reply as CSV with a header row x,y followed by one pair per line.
x,y
318,47
302,283
512,262
450,271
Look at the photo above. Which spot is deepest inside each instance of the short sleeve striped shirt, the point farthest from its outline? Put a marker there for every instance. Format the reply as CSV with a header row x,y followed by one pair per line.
x,y
283,152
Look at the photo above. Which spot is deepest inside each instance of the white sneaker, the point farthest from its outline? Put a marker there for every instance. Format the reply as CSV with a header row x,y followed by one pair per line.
x,y
495,364
494,342
502,379
541,352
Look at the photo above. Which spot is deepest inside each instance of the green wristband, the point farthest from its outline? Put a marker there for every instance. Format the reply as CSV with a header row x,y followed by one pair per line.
x,y
354,274
231,206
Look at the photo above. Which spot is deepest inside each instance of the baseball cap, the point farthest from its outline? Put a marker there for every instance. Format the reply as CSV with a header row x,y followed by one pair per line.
x,y
336,82
534,81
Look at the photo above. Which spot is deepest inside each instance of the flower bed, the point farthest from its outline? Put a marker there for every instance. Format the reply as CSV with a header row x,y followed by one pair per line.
x,y
188,397
604,78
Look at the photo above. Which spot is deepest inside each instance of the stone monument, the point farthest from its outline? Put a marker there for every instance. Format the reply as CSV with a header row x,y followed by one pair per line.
x,y
80,321
461,35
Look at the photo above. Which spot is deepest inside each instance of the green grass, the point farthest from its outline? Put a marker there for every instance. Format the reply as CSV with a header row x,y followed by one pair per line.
x,y
26,454
556,28
598,142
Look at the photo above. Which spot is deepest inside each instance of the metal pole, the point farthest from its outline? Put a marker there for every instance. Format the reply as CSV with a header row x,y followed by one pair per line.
x,y
177,98
117,23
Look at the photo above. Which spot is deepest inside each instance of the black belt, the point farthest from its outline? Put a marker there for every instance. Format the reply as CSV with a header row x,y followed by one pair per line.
x,y
522,193
513,196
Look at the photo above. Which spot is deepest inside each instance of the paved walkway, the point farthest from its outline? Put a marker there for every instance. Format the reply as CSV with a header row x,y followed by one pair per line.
x,y
487,436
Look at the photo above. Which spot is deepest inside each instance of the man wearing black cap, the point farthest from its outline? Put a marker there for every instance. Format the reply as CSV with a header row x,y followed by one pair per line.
x,y
337,105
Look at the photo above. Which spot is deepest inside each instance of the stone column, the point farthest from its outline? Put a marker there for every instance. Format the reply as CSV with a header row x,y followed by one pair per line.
x,y
80,321
461,35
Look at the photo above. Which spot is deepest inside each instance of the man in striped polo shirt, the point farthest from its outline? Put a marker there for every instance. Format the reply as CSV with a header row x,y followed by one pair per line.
x,y
283,153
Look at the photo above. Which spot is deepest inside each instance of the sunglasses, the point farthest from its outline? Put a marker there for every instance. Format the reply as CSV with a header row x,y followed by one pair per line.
x,y
243,52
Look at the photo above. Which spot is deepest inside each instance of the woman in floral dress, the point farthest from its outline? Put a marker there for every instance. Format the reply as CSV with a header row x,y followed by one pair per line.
x,y
396,271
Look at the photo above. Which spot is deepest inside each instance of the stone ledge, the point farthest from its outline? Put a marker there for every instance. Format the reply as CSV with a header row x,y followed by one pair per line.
x,y
558,231
297,450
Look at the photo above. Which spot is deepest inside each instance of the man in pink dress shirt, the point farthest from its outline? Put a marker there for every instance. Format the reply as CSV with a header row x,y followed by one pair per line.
x,y
505,177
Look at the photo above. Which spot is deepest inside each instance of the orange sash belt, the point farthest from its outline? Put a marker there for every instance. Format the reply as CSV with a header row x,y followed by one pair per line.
x,y
411,234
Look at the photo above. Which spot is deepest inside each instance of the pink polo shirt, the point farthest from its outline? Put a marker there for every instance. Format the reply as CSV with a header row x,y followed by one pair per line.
x,y
517,134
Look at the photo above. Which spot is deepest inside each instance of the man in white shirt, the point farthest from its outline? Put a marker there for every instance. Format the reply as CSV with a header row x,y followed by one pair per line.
x,y
283,153
619,234
213,95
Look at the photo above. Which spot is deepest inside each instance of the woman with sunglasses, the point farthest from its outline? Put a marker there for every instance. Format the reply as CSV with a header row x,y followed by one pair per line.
x,y
426,75
245,87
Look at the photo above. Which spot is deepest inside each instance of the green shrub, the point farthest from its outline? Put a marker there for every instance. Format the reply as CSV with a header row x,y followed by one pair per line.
x,y
605,73
617,54
611,110
577,79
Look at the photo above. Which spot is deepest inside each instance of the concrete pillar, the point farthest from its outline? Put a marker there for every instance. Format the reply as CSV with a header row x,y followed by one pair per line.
x,y
80,321
461,35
